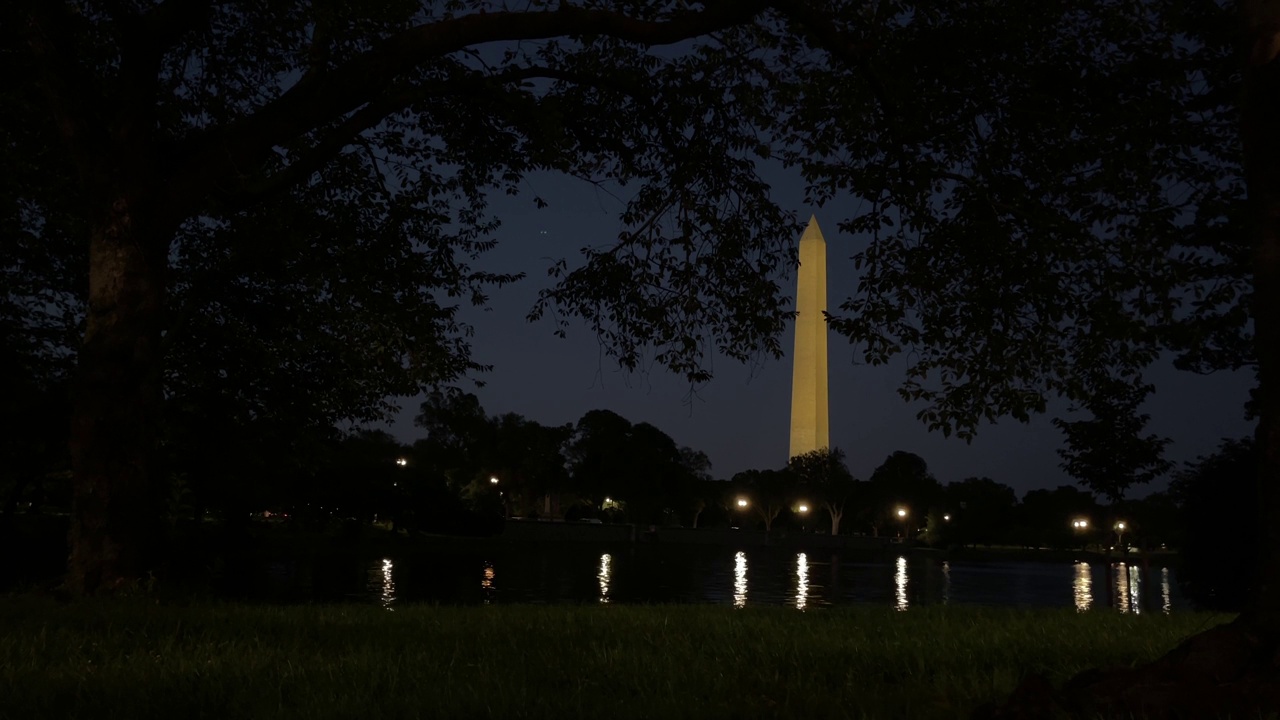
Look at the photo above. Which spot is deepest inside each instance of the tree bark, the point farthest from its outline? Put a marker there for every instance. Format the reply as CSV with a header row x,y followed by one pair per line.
x,y
1260,131
115,524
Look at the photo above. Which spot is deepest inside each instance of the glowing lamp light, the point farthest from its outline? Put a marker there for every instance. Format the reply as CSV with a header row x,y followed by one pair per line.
x,y
947,518
401,462
742,502
493,480
803,508
902,513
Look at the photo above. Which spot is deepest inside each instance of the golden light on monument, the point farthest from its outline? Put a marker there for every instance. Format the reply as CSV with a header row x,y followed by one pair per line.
x,y
809,417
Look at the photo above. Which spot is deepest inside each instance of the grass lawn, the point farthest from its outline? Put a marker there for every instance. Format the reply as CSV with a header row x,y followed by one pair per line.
x,y
137,659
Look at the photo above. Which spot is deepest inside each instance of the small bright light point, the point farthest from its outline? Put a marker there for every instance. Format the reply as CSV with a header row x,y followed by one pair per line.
x,y
1119,526
742,502
947,518
608,500
401,462
902,513
493,480
803,508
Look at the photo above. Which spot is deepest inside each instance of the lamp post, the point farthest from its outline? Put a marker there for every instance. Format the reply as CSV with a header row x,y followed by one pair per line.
x,y
803,511
902,515
741,504
502,497
1120,527
1080,525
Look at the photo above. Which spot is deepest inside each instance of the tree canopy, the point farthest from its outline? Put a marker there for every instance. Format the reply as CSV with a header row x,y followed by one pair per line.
x,y
276,209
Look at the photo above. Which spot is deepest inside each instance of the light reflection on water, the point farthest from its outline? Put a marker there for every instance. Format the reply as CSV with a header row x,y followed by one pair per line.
x,y
900,584
381,582
802,581
1082,587
486,583
740,579
780,577
605,575
1128,588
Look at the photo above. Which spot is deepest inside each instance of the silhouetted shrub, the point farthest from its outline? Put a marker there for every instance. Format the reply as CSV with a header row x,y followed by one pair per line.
x,y
1218,495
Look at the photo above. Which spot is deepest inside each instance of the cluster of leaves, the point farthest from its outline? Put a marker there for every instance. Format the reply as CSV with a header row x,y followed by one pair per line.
x,y
567,470
1045,209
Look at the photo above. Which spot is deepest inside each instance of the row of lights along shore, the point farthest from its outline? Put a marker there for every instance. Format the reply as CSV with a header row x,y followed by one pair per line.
x,y
1078,523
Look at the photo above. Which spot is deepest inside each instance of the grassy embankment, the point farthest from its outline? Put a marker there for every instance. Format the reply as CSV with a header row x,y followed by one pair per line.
x,y
142,660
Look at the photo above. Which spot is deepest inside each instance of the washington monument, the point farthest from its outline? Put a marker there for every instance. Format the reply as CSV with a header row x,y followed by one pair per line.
x,y
809,374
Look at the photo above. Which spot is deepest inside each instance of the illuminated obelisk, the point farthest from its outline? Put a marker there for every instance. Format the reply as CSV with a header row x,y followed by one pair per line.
x,y
809,374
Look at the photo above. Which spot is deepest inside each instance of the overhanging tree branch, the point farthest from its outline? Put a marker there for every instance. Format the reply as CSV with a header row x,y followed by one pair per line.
x,y
323,96
368,117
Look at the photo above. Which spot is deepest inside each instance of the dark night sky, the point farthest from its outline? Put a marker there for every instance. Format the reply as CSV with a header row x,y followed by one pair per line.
x,y
741,418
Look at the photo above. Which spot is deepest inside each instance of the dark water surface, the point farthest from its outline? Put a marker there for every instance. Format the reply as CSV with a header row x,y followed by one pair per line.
x,y
756,576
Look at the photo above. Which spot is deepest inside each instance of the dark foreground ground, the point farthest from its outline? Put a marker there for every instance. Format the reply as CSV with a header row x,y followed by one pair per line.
x,y
139,658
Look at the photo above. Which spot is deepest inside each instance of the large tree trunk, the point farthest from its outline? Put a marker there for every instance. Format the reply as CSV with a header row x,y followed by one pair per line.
x,y
115,524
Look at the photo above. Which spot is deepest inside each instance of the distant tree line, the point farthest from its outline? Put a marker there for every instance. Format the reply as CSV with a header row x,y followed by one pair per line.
x,y
470,470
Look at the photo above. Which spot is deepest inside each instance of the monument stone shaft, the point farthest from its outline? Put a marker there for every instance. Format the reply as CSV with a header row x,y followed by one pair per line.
x,y
809,429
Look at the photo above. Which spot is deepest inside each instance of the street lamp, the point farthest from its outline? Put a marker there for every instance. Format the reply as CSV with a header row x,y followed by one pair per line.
x,y
1080,525
1120,526
742,502
902,515
401,462
803,508
493,480
946,518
